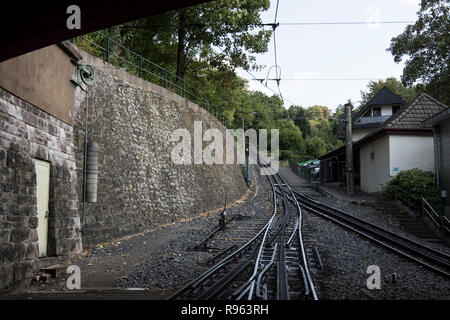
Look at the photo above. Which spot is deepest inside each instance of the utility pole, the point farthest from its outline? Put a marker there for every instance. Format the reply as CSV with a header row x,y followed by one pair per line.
x,y
349,148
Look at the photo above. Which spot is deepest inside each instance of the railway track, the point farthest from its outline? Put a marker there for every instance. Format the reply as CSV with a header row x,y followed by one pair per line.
x,y
426,256
272,264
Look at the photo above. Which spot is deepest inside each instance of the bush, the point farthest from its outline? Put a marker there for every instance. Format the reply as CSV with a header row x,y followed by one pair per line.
x,y
417,184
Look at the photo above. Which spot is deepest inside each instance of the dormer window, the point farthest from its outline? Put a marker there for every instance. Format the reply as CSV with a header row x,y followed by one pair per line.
x,y
395,109
377,111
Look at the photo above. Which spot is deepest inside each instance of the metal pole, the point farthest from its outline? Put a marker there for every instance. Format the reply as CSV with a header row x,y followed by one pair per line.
x,y
165,79
140,67
107,49
349,148
85,158
182,88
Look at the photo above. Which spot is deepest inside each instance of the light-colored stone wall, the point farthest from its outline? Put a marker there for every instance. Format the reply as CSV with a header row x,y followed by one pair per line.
x,y
139,186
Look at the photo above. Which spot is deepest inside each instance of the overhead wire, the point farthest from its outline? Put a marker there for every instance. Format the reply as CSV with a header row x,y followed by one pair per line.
x,y
277,68
339,23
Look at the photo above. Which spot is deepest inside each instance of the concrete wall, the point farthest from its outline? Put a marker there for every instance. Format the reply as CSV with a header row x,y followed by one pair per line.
x,y
374,172
392,154
139,187
42,78
409,151
359,133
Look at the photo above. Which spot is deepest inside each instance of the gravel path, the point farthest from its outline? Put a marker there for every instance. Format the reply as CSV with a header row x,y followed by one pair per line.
x,y
346,257
177,263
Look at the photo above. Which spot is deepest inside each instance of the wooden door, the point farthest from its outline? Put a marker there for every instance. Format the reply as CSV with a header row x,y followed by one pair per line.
x,y
42,195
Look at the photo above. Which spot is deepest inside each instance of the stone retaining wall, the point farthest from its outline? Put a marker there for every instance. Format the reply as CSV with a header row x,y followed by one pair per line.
x,y
139,187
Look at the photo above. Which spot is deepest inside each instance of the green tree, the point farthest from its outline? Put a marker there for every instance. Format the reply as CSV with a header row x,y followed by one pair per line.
x,y
417,184
426,44
232,25
290,137
299,115
315,146
318,112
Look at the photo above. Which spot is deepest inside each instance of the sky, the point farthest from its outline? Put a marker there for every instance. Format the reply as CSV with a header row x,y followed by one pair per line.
x,y
331,51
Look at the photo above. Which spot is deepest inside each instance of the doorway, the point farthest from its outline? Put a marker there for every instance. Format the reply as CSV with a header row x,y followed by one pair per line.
x,y
42,196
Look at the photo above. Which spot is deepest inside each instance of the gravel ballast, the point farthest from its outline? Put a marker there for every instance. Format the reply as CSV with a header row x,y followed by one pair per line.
x,y
346,257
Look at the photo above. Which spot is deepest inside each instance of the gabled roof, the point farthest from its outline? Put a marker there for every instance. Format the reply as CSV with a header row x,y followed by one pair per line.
x,y
383,97
413,114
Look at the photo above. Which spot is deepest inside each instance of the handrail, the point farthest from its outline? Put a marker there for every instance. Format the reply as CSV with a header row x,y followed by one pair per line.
x,y
169,79
441,222
432,214
402,192
446,224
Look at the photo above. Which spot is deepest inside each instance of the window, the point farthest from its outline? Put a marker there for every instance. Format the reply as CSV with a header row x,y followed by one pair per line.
x,y
395,109
377,112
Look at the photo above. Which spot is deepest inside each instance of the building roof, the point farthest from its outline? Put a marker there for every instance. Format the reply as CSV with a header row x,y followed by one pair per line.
x,y
408,120
437,118
383,97
413,114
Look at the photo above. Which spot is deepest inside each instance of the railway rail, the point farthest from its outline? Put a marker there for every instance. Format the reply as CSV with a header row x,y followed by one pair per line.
x,y
426,256
272,264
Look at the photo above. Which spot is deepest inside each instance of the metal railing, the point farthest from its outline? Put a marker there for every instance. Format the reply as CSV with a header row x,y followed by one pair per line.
x,y
439,221
302,171
114,53
419,206
399,195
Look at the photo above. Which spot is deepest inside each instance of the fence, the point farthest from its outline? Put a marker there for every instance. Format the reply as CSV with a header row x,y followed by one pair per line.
x,y
400,200
394,201
113,52
302,171
441,222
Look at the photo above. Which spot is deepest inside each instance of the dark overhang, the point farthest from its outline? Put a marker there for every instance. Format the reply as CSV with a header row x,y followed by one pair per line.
x,y
31,25
437,118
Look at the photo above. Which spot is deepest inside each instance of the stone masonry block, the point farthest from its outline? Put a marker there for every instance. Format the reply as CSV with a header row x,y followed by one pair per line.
x,y
20,235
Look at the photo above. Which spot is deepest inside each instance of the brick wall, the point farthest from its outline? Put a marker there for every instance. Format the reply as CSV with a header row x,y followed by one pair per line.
x,y
28,133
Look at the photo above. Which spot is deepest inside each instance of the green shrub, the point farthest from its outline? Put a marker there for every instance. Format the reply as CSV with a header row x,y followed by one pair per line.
x,y
417,184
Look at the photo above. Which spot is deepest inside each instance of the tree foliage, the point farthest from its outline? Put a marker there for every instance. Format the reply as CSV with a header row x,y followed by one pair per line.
x,y
417,184
191,35
426,44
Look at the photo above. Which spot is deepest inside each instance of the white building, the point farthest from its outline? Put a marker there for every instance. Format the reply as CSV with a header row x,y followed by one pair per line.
x,y
388,137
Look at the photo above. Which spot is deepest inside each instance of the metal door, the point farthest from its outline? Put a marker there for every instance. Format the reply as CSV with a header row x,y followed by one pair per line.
x,y
42,195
